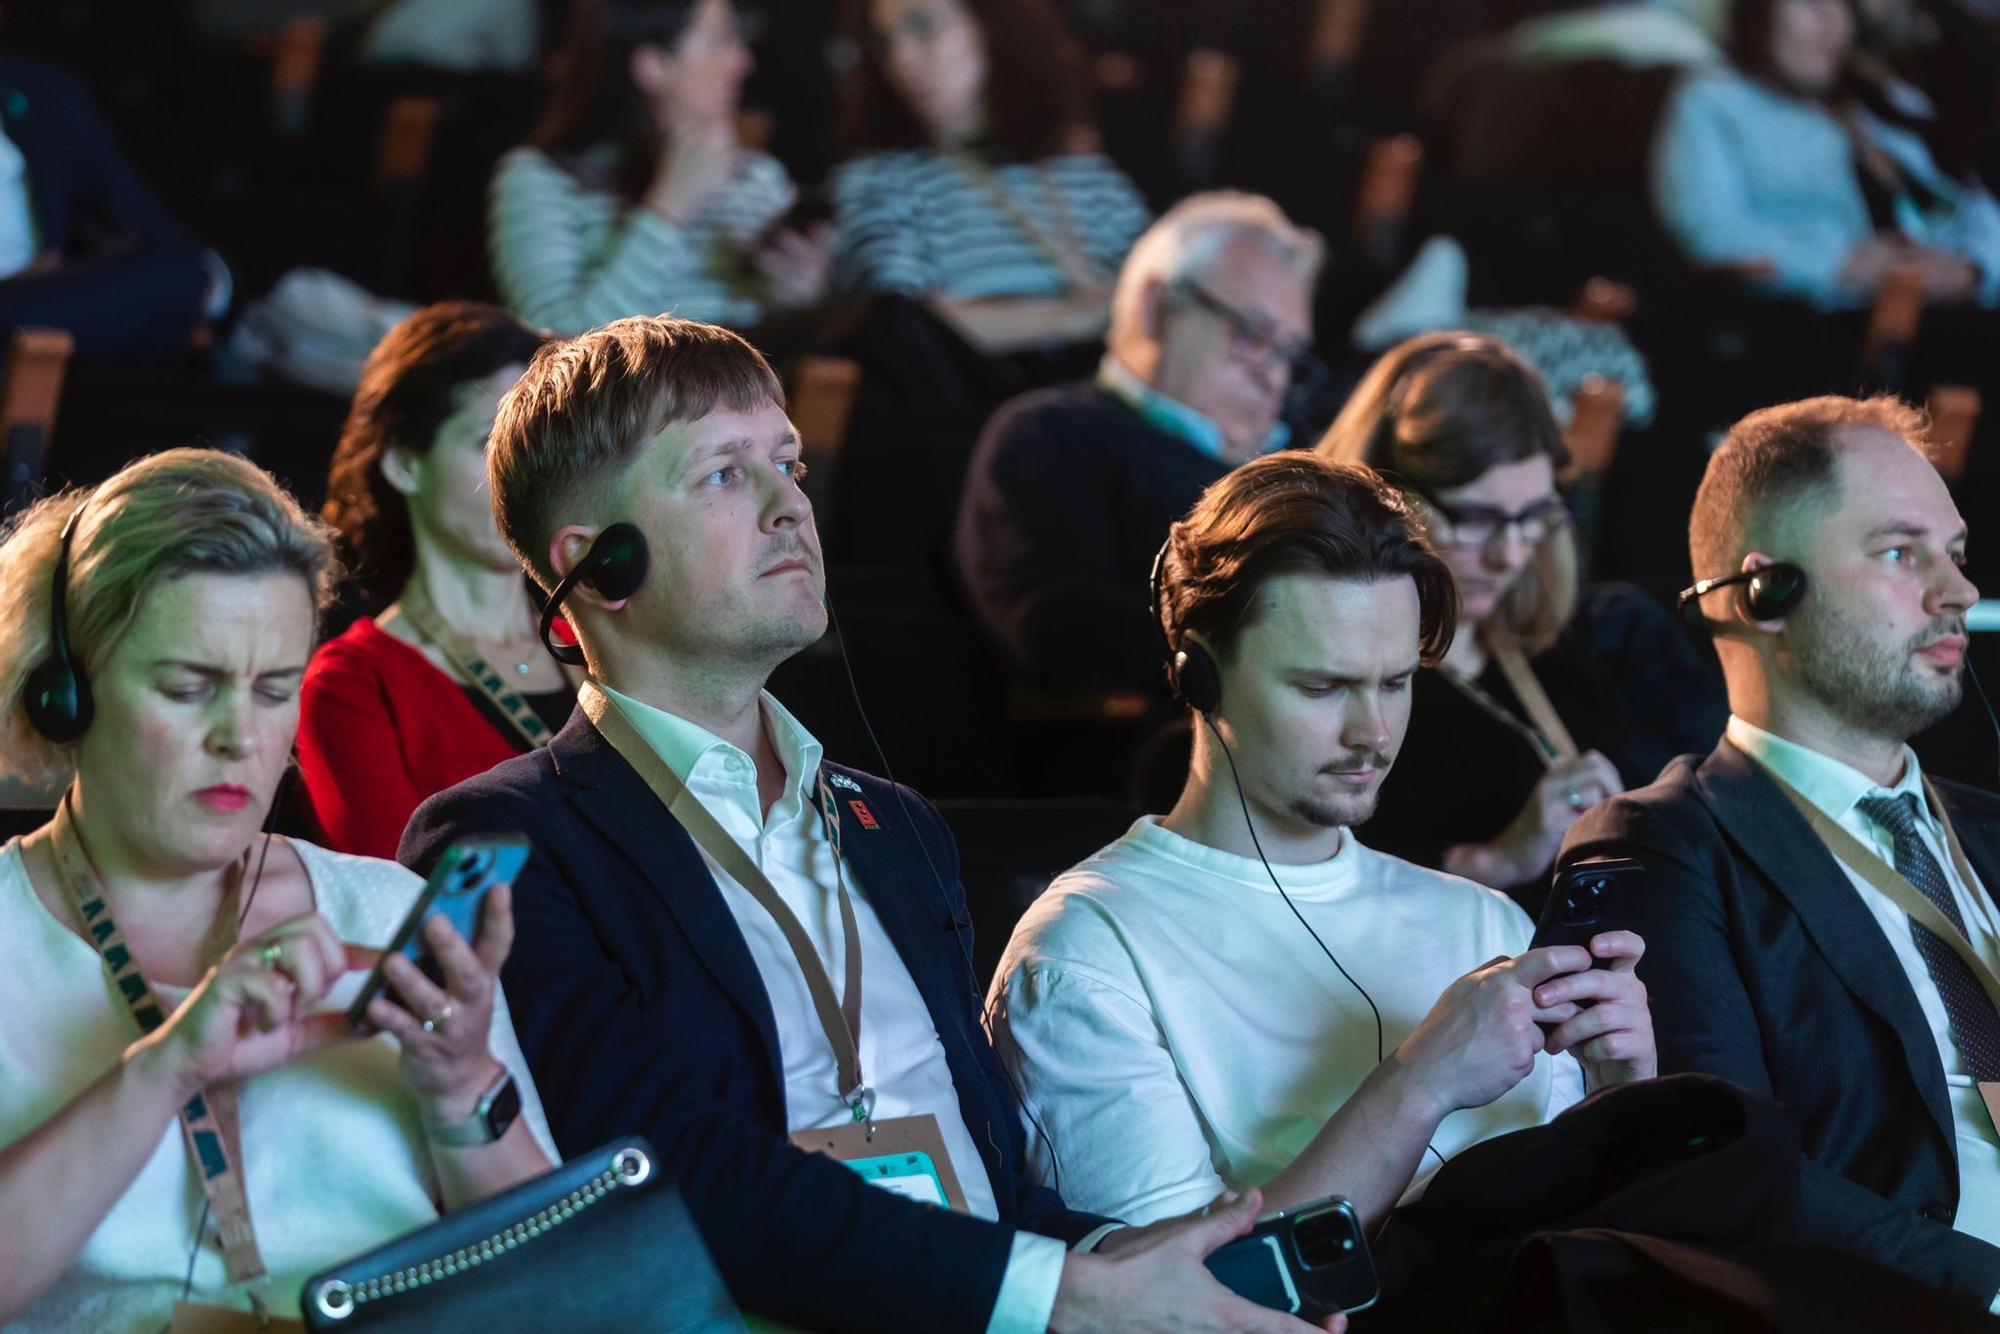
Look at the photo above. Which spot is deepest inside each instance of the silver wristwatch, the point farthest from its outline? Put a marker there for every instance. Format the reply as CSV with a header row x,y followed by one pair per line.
x,y
494,1112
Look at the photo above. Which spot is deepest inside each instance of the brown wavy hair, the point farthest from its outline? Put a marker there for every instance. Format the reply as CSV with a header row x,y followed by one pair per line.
x,y
1435,412
1035,93
592,101
1296,513
405,396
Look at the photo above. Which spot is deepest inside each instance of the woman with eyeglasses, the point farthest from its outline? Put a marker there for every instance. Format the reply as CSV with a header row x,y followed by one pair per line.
x,y
972,192
1554,696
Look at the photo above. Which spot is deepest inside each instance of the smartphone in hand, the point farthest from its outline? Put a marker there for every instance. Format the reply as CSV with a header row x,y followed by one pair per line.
x,y
457,890
1580,908
1312,1261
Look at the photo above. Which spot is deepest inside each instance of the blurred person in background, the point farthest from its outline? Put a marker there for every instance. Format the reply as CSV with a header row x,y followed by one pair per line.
x,y
1774,166
85,243
973,188
1072,489
1567,693
633,196
397,708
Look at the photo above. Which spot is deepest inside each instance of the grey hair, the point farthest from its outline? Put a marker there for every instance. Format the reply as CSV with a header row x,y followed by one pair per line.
x,y
1189,238
181,512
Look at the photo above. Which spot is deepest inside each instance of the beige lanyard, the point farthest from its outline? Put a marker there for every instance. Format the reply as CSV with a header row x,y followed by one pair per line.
x,y
1067,250
1528,689
1895,886
430,627
209,1121
840,1018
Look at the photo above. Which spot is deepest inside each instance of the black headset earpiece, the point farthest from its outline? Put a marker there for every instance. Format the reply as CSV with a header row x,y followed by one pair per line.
x,y
58,696
1191,671
615,567
1771,592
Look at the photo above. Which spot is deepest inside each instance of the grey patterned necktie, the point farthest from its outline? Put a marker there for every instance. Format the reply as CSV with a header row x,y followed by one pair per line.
x,y
1974,1024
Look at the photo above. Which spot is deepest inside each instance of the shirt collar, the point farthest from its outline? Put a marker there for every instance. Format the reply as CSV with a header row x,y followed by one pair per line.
x,y
1171,415
1316,880
1832,786
696,754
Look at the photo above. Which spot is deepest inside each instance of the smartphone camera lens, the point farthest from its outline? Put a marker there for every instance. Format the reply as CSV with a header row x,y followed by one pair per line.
x,y
471,871
1323,1240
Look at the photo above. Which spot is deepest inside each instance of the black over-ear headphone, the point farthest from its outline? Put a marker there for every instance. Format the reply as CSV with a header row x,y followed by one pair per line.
x,y
1772,592
614,566
58,697
1191,671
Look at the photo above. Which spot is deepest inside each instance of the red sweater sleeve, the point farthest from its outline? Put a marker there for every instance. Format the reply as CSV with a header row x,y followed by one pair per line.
x,y
350,754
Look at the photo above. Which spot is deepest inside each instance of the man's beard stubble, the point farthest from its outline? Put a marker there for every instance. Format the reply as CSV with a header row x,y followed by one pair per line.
x,y
1875,688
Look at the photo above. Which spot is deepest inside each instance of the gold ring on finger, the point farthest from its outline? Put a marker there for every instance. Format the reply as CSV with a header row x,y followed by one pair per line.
x,y
436,1023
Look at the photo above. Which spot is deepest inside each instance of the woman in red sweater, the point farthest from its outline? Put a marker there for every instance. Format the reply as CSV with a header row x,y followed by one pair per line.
x,y
402,705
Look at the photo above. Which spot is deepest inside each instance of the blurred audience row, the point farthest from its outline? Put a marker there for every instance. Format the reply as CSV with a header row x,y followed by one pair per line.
x,y
951,204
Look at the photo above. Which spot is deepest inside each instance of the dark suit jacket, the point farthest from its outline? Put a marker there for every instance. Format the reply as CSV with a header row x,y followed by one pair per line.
x,y
1764,967
640,1010
132,278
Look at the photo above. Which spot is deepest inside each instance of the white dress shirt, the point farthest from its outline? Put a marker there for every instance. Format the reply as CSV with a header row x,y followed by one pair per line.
x,y
901,1056
1177,1031
1838,789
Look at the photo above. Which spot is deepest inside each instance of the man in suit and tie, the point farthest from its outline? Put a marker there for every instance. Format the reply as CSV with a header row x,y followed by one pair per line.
x,y
1805,881
735,948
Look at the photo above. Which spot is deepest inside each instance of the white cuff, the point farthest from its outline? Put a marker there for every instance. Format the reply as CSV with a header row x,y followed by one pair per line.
x,y
1095,1239
1027,1297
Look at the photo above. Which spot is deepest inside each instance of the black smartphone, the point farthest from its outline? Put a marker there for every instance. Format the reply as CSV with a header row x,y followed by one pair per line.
x,y
457,890
1311,1262
1579,907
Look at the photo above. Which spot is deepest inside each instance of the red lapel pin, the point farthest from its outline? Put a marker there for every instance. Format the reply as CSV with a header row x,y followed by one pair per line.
x,y
862,813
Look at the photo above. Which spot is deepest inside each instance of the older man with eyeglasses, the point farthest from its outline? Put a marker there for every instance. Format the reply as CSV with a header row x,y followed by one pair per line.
x,y
1072,489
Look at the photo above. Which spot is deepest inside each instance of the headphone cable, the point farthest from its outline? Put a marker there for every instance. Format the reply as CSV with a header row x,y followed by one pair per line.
x,y
1236,779
1980,690
937,879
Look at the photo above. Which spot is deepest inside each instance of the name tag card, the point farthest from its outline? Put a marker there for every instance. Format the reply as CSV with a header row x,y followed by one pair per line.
x,y
195,1318
906,1155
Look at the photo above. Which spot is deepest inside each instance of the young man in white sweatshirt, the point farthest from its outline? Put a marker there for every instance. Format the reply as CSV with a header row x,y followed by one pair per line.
x,y
1240,994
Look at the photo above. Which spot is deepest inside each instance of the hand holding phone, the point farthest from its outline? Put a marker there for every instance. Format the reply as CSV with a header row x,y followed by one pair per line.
x,y
1311,1262
457,891
1612,1031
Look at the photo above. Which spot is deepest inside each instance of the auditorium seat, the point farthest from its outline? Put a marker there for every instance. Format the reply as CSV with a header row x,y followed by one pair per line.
x,y
1009,851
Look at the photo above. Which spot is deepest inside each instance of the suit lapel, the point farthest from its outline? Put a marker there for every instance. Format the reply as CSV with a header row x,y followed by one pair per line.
x,y
889,864
611,796
1771,834
883,864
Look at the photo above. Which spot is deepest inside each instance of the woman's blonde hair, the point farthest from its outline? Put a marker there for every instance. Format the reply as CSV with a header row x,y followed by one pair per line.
x,y
181,512
1437,411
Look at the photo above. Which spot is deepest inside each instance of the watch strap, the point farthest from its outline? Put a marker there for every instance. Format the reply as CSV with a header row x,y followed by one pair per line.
x,y
477,1128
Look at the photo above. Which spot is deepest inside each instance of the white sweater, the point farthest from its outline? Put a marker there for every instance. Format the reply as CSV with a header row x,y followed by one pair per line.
x,y
1175,1031
334,1156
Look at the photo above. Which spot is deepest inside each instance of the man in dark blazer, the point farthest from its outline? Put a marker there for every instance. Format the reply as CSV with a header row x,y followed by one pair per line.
x,y
108,262
1774,958
652,992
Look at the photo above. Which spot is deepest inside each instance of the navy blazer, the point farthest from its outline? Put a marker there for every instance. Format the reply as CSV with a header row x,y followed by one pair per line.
x,y
132,278
1764,967
640,1010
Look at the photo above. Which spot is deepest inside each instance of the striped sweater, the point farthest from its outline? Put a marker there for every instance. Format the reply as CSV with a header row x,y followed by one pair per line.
x,y
917,223
569,255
